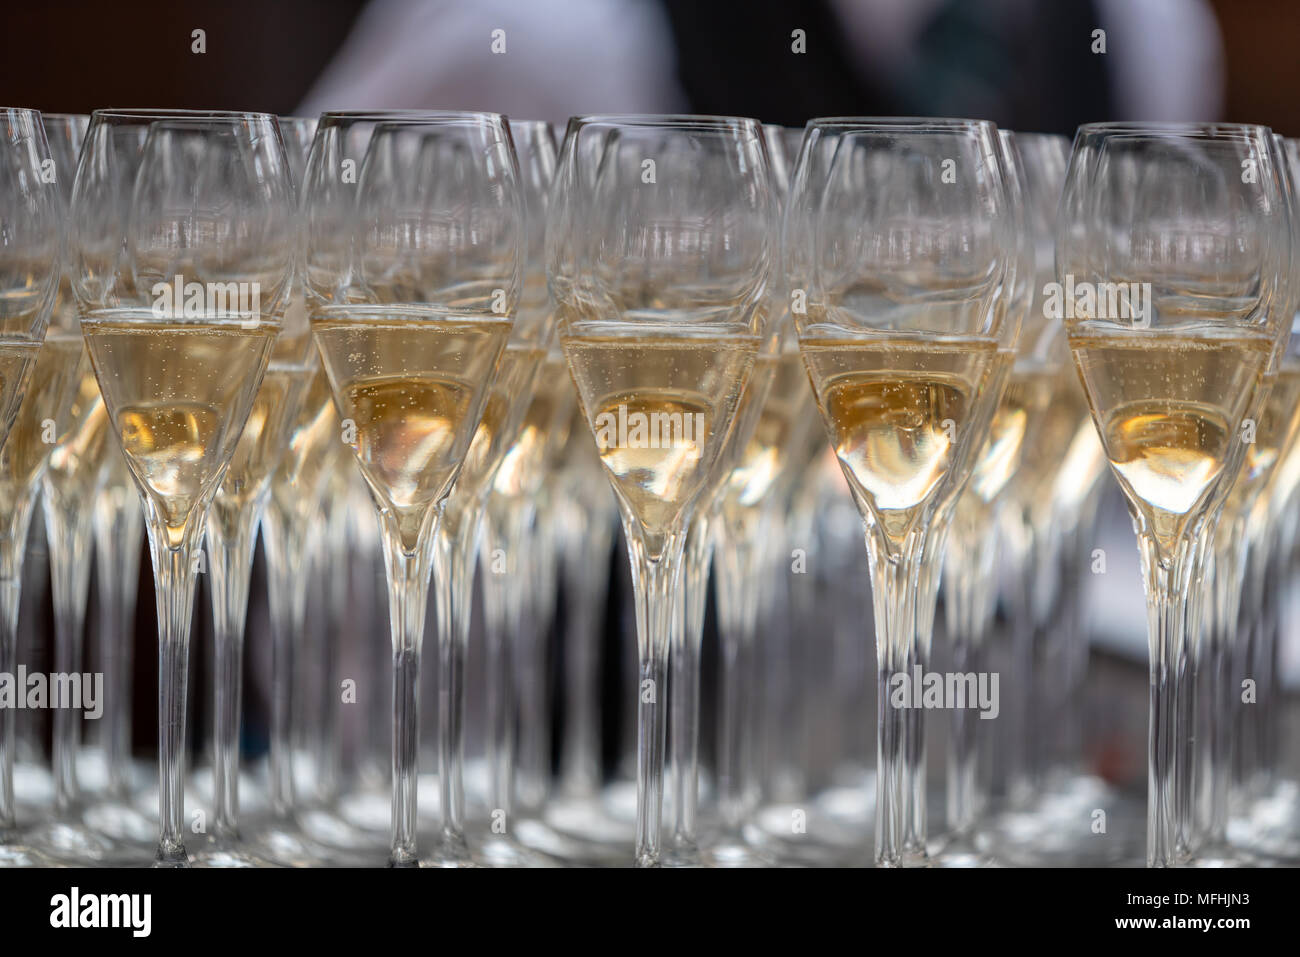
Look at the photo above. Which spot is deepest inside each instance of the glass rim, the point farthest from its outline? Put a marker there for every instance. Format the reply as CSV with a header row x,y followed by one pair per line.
x,y
890,123
155,115
1023,137
1202,129
650,121
430,117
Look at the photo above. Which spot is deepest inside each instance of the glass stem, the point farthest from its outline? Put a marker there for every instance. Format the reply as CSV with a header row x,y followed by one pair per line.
x,y
504,569
970,581
231,539
737,620
588,537
118,525
654,577
1167,580
408,596
895,581
67,529
175,573
13,547
1214,701
688,634
537,557
285,542
455,557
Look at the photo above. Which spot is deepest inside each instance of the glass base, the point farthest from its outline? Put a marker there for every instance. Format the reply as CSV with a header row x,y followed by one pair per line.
x,y
1267,828
584,830
1061,827
831,830
961,850
69,840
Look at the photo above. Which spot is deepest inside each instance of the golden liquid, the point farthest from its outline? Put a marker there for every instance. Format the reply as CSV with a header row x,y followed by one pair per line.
x,y
76,461
1061,457
787,416
1284,478
313,447
414,389
543,433
1169,410
502,418
178,395
903,415
1276,424
42,420
660,407
1018,418
17,359
266,435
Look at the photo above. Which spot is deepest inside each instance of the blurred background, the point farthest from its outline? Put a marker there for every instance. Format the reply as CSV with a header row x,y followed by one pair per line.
x,y
1030,65
1027,64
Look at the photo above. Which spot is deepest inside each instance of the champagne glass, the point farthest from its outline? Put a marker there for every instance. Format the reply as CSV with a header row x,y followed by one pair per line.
x,y
70,483
412,304
1271,427
898,279
660,260
31,224
970,562
506,442
1046,543
1267,822
1183,235
231,535
208,199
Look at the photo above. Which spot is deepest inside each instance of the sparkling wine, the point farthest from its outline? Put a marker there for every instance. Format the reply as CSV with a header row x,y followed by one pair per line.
x,y
786,435
660,404
264,439
904,413
1272,441
44,417
552,412
413,385
1169,408
178,395
313,448
17,358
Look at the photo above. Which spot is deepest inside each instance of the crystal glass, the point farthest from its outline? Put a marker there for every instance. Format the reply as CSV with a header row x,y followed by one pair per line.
x,y
1174,258
660,258
414,275
31,222
181,255
898,279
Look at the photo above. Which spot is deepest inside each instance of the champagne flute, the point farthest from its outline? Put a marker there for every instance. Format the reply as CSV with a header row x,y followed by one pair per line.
x,y
412,306
660,261
1271,427
207,198
1185,232
970,562
31,222
231,535
898,279
70,483
507,441
1045,537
